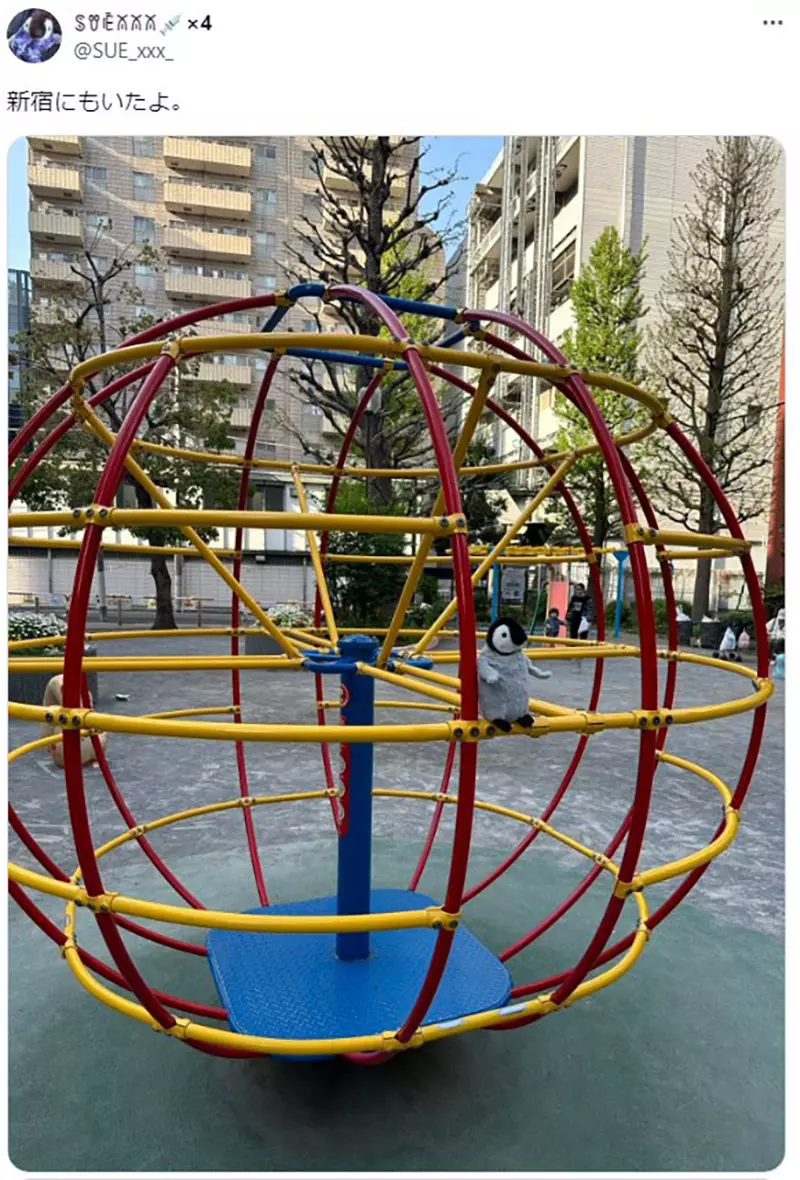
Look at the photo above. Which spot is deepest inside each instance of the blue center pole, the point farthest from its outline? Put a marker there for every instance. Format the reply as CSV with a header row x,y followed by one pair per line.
x,y
621,556
496,576
355,846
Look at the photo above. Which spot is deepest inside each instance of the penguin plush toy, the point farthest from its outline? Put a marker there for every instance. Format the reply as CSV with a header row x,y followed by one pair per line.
x,y
504,673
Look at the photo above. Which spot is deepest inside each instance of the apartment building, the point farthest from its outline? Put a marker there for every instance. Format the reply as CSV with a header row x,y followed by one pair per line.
x,y
534,219
19,305
223,216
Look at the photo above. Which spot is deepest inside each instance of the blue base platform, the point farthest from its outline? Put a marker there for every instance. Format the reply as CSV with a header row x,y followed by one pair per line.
x,y
293,985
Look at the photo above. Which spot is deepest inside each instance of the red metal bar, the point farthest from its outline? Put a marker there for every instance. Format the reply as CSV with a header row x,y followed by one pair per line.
x,y
37,420
98,966
577,392
241,763
58,873
66,424
437,815
73,658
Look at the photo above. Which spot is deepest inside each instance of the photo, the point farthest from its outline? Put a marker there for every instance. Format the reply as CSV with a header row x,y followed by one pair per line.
x,y
397,652
34,35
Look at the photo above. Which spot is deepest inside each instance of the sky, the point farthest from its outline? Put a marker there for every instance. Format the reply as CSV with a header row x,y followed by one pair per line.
x,y
469,155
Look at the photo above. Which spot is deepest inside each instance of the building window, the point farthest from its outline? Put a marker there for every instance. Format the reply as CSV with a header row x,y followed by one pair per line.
x,y
144,186
265,200
146,277
265,156
56,256
260,364
309,166
264,284
144,230
98,221
265,244
308,326
312,206
563,275
97,176
144,145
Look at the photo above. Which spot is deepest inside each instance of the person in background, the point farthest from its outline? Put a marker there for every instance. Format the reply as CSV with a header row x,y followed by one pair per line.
x,y
553,624
776,630
577,608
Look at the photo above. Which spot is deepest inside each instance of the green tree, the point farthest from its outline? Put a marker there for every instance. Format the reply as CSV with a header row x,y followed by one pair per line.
x,y
190,413
365,594
607,338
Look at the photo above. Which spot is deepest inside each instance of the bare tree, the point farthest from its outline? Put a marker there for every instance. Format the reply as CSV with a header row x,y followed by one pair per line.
x,y
382,223
716,351
71,328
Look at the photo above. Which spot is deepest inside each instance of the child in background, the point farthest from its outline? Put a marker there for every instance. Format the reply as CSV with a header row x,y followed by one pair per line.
x,y
553,624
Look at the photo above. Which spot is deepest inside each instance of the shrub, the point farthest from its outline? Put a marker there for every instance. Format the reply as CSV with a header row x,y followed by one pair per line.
x,y
660,612
627,619
30,625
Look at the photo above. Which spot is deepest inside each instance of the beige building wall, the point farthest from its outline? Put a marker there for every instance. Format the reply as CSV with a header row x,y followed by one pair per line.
x,y
223,216
639,184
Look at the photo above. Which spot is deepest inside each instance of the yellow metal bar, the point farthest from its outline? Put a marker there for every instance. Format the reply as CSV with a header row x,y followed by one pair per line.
x,y
342,342
428,690
233,460
155,663
306,637
143,550
189,1029
468,428
93,423
650,536
693,554
118,903
51,740
247,731
497,551
224,518
313,549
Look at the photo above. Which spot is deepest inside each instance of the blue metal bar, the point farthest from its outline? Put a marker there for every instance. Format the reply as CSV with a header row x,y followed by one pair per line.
x,y
621,556
496,579
456,338
355,846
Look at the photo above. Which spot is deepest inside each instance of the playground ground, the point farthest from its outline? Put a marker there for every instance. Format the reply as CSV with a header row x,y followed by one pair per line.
x,y
679,1066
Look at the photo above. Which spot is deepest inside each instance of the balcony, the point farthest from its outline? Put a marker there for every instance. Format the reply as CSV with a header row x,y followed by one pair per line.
x,y
198,243
333,180
235,374
203,201
60,183
222,328
55,274
489,244
56,227
242,416
180,286
200,155
63,145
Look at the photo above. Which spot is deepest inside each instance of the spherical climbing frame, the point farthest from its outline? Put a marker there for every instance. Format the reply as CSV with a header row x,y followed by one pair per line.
x,y
426,955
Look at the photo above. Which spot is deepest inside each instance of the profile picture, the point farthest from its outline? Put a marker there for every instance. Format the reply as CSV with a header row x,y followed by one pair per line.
x,y
34,35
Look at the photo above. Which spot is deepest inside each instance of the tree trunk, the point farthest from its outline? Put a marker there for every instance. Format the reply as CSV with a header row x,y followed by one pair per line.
x,y
165,617
702,580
